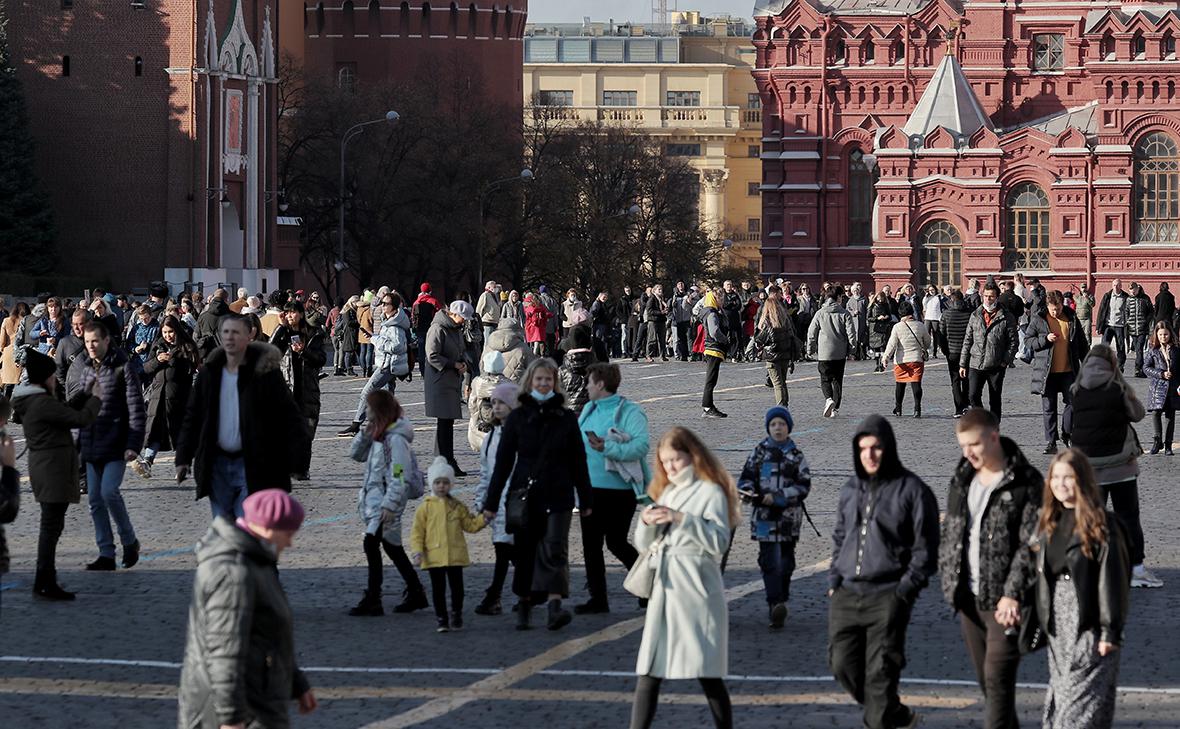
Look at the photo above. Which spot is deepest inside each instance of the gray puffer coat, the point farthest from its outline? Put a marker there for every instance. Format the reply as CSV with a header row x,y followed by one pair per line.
x,y
989,347
1037,339
831,334
1161,393
508,340
239,658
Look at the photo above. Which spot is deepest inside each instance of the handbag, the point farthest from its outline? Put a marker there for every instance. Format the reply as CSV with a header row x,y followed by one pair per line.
x,y
641,578
516,503
1031,637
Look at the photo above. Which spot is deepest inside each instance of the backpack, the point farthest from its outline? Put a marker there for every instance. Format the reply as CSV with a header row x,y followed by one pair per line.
x,y
484,421
415,480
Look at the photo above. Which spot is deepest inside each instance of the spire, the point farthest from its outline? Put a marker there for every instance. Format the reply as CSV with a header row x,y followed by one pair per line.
x,y
948,101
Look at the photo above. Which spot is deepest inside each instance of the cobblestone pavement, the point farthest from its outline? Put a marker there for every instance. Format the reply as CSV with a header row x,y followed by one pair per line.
x,y
112,657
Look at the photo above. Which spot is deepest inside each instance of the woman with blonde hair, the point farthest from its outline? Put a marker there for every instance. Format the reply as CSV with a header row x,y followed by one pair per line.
x,y
686,631
541,453
1083,573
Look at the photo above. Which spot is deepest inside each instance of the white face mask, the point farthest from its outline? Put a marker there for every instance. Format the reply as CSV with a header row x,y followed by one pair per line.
x,y
989,308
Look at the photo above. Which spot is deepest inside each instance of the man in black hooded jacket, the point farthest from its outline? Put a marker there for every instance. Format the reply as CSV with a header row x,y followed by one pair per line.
x,y
885,549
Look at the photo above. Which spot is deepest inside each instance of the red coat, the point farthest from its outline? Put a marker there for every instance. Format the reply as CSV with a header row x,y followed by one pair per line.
x,y
536,318
751,315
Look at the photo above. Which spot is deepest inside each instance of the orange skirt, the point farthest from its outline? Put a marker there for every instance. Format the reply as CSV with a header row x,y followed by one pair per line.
x,y
908,371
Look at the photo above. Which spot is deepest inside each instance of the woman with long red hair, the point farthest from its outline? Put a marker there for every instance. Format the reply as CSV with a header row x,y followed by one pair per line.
x,y
686,632
1083,579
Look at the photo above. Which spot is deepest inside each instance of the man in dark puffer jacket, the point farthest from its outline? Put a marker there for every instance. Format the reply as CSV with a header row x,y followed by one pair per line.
x,y
991,514
115,438
954,327
885,551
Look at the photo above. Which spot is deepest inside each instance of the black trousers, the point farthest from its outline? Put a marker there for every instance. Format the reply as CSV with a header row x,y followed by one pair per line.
x,y
53,523
899,394
373,544
866,652
935,329
683,346
712,370
1137,343
1124,500
632,349
831,379
439,579
1157,418
996,657
609,522
542,556
1119,336
1057,382
504,558
657,337
994,379
444,439
958,384
647,697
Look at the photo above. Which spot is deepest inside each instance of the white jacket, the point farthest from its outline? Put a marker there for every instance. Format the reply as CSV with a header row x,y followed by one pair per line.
x,y
487,464
387,465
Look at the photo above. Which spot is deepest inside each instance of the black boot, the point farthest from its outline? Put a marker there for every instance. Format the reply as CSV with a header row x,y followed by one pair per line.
x,y
558,617
490,605
369,606
102,564
593,606
45,586
523,608
414,598
1157,445
131,554
353,428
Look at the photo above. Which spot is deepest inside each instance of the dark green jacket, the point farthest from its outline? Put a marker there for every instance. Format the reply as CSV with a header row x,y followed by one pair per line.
x,y
239,658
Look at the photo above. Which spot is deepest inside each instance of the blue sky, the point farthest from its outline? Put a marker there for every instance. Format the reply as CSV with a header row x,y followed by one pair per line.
x,y
572,11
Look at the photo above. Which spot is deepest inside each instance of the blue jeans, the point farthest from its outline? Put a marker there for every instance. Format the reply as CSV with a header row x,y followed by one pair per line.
x,y
777,562
381,378
366,357
103,481
229,487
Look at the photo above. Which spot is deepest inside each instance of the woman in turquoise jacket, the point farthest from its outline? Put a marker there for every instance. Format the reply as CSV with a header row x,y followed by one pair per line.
x,y
614,431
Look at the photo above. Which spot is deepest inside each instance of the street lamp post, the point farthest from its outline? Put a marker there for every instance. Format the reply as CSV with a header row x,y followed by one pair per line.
x,y
353,131
526,175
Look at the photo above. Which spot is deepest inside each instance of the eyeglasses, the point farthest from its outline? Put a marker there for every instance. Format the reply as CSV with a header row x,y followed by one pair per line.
x,y
387,303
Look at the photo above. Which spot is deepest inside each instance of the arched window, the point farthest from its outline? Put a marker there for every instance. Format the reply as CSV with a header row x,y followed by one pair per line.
x,y
403,20
1028,228
495,22
941,252
319,18
453,21
841,51
1138,47
861,196
65,65
138,66
426,20
1157,189
374,18
1106,47
349,13
868,51
472,21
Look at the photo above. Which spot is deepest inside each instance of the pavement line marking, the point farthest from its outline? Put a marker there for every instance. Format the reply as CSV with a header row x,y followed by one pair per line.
x,y
129,690
515,674
580,673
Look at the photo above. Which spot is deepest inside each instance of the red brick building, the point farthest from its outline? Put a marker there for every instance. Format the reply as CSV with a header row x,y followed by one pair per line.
x,y
364,41
154,125
929,140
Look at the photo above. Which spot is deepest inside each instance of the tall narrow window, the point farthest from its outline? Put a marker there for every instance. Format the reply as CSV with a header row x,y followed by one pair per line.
x,y
841,51
453,21
868,51
1048,52
472,21
65,65
1028,229
426,20
319,19
941,253
346,76
1157,189
1139,47
1169,46
349,17
495,22
403,20
374,19
138,66
861,195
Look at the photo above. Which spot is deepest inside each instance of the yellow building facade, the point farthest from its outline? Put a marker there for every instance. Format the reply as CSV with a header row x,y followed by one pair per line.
x,y
691,87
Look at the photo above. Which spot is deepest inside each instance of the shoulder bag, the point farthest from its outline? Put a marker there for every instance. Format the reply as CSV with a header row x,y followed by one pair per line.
x,y
641,578
516,503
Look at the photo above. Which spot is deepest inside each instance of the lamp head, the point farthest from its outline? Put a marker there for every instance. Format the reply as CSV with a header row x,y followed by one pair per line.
x,y
392,116
634,209
526,175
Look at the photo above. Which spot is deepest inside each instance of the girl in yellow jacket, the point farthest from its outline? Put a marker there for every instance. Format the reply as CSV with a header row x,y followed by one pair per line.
x,y
438,543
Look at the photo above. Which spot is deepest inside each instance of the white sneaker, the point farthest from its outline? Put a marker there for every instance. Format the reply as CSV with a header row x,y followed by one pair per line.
x,y
1140,577
835,412
141,467
829,407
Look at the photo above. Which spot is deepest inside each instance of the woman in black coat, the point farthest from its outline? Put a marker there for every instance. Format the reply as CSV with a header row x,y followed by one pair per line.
x,y
168,372
303,357
541,450
880,326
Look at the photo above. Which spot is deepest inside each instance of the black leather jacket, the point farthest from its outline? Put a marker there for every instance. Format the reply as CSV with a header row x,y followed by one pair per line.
x,y
1103,583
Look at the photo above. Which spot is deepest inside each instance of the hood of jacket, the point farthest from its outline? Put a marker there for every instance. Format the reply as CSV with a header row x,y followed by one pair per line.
x,y
443,319
22,397
578,359
507,336
227,539
397,320
403,427
1096,372
217,308
890,463
261,357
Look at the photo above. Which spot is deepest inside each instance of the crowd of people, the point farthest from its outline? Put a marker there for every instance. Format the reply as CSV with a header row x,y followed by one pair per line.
x,y
233,387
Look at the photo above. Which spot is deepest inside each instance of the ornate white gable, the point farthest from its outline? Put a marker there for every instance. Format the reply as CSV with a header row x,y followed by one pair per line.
x,y
237,54
210,40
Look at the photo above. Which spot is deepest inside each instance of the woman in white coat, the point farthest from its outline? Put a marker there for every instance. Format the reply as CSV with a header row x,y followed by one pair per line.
x,y
686,632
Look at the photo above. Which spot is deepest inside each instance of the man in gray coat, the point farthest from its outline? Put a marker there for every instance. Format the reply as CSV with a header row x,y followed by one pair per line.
x,y
989,346
239,659
830,339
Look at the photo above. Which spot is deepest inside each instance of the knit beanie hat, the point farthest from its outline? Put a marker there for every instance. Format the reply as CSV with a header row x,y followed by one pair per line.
x,y
424,288
440,469
39,367
273,509
492,362
506,392
778,411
